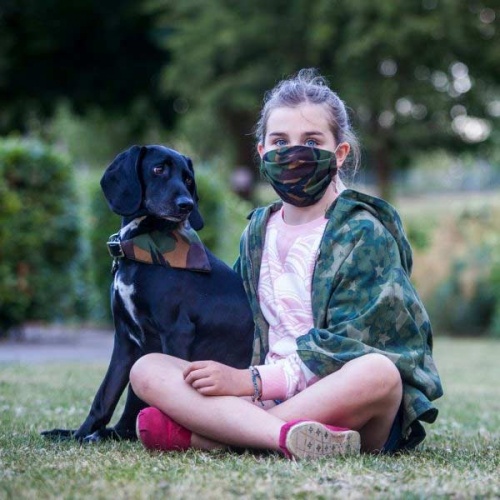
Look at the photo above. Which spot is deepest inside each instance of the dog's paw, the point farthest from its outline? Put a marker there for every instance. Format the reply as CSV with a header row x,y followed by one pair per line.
x,y
102,435
92,438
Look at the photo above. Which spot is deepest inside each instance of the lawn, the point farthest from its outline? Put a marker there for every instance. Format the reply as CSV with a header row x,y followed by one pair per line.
x,y
460,458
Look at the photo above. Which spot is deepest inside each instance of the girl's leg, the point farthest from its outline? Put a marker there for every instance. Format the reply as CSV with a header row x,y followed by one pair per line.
x,y
157,379
364,395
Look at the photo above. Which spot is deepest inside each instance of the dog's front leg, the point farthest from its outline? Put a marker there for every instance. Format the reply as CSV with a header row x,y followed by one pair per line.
x,y
125,353
125,427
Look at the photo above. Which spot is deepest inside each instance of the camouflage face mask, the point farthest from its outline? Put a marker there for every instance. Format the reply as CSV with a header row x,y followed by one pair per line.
x,y
300,175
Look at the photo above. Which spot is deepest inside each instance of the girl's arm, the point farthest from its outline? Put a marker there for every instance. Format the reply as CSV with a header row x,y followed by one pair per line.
x,y
285,378
371,306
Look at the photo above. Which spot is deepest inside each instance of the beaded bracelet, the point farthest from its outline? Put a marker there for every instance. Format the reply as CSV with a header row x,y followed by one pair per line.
x,y
257,395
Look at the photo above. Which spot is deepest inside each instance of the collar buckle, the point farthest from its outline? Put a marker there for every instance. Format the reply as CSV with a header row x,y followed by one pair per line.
x,y
114,246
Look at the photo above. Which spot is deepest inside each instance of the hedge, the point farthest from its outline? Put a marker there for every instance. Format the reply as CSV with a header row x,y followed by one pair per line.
x,y
41,260
102,223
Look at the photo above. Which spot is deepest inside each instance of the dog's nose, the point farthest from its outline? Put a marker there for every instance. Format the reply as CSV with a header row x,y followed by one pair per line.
x,y
185,205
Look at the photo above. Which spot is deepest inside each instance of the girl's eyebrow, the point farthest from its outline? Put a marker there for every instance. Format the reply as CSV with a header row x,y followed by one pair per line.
x,y
313,132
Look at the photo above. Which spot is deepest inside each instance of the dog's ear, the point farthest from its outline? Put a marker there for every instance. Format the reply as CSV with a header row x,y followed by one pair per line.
x,y
195,218
121,183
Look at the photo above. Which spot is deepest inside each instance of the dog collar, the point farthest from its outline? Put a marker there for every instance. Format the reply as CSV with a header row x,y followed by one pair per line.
x,y
180,248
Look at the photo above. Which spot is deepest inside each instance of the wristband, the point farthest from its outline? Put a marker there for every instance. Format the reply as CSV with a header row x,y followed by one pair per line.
x,y
257,395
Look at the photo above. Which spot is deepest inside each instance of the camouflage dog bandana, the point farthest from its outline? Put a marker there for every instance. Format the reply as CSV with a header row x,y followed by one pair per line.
x,y
300,175
180,248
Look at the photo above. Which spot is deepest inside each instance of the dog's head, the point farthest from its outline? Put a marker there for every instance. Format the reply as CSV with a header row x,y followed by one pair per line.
x,y
152,180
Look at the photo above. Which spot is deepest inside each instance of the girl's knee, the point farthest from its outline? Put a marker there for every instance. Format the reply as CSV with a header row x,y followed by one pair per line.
x,y
143,372
387,374
380,363
383,376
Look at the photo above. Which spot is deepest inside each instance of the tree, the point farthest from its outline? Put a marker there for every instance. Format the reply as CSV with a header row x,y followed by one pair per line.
x,y
418,75
424,71
92,53
225,55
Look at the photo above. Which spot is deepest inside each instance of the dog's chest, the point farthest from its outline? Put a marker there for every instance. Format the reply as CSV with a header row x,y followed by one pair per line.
x,y
126,294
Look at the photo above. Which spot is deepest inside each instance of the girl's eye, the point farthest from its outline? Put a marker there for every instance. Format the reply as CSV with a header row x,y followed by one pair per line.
x,y
280,142
158,170
311,143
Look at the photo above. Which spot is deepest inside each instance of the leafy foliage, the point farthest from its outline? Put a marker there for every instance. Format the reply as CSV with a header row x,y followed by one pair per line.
x,y
90,52
94,137
464,303
40,229
413,72
495,285
418,75
102,223
224,213
457,264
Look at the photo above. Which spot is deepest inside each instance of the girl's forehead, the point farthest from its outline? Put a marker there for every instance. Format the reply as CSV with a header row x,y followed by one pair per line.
x,y
305,116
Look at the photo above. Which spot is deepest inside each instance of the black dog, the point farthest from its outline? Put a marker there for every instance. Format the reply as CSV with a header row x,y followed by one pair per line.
x,y
197,313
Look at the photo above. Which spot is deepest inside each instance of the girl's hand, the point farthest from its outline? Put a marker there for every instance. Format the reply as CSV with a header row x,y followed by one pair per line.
x,y
215,379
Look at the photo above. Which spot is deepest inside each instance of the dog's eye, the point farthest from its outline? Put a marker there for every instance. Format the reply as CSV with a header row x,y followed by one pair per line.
x,y
188,181
158,170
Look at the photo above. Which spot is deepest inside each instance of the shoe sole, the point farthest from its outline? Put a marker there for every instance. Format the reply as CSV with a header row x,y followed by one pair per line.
x,y
137,433
310,440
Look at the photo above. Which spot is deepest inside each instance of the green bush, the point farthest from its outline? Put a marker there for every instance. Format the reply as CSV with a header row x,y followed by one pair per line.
x,y
464,304
419,234
224,212
95,136
102,223
495,285
41,257
459,268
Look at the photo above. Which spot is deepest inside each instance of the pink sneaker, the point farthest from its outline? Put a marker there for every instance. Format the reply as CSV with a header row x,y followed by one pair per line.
x,y
158,431
308,439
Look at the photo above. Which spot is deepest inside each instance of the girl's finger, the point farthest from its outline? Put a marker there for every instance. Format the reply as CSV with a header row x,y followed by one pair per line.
x,y
195,375
208,391
195,365
202,383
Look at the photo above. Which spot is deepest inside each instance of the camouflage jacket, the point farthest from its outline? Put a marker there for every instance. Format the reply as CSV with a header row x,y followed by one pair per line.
x,y
362,301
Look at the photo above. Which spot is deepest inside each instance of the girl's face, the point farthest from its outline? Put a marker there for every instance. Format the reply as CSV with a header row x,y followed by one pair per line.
x,y
304,125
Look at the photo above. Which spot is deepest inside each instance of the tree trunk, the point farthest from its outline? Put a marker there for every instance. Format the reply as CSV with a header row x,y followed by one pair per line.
x,y
384,170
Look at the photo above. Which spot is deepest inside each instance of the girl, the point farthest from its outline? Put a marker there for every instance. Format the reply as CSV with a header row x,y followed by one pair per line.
x,y
342,349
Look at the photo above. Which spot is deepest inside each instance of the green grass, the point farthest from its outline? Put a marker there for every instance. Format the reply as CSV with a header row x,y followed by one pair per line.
x,y
460,458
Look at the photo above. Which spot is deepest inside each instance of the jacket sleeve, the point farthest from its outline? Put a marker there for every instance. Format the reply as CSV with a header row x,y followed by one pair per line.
x,y
368,305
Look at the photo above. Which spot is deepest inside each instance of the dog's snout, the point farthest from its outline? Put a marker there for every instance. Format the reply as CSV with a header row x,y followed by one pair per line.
x,y
184,204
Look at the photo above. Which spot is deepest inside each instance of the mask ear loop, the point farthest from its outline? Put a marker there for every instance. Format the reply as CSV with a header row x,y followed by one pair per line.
x,y
338,185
